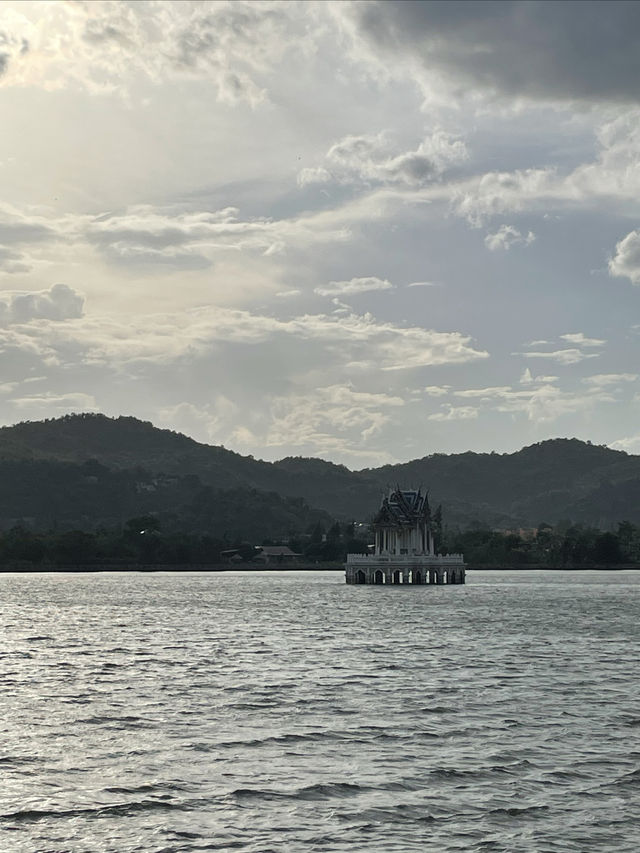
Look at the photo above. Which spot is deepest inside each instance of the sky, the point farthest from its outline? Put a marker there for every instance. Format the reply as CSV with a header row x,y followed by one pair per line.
x,y
362,231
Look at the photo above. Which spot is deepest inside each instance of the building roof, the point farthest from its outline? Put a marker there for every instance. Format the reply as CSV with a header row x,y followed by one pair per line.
x,y
403,508
277,551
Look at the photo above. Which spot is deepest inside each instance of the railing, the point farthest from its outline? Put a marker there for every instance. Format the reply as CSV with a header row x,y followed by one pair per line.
x,y
409,559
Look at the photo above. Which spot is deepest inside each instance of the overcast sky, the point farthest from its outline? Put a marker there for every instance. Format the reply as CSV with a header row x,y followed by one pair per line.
x,y
362,231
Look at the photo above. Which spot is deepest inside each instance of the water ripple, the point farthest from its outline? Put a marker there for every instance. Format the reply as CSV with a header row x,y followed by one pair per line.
x,y
290,713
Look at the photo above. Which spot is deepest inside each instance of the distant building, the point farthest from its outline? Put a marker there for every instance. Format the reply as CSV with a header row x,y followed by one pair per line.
x,y
275,555
404,550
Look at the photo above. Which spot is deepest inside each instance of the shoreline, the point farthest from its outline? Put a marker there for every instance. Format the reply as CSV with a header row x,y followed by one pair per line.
x,y
307,567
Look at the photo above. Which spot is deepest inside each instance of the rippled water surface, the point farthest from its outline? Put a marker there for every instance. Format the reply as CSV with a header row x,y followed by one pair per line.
x,y
290,712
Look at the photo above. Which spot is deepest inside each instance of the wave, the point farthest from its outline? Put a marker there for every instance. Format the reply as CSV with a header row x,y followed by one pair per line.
x,y
118,810
318,791
519,811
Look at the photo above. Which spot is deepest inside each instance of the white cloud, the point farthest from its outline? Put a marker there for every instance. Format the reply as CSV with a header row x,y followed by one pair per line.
x,y
541,404
41,405
506,237
372,159
455,413
101,46
630,444
602,380
287,294
437,390
528,379
60,302
579,339
313,175
626,261
165,338
424,284
562,356
354,285
325,420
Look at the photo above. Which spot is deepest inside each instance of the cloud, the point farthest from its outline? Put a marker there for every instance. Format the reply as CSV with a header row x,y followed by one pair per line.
x,y
354,285
235,47
455,413
630,444
579,339
311,341
507,48
626,260
528,379
437,390
567,355
12,262
540,404
608,182
144,234
603,380
11,46
562,356
372,159
506,237
325,420
39,405
60,302
313,175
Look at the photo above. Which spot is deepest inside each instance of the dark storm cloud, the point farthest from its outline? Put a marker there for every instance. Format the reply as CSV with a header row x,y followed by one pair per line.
x,y
585,50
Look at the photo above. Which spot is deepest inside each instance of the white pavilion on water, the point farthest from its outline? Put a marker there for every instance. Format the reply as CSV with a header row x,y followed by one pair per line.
x,y
404,547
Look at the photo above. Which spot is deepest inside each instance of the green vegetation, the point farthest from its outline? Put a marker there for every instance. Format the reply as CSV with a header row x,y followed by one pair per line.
x,y
144,469
144,541
563,546
81,478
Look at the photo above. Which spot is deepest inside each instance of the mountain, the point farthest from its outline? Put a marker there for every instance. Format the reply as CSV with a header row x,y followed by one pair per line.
x,y
109,468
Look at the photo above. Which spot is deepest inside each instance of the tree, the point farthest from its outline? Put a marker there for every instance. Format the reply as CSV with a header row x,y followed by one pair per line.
x,y
607,549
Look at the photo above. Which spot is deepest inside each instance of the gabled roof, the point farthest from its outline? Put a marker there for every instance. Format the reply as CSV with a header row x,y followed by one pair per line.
x,y
403,508
277,551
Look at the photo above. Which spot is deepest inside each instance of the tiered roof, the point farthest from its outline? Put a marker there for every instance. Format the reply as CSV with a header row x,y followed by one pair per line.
x,y
403,509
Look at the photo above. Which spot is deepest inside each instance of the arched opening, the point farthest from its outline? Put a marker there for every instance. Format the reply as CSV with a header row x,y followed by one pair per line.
x,y
360,576
397,576
417,576
378,577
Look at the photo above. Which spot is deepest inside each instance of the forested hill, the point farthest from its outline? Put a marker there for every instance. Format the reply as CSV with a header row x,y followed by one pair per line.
x,y
553,480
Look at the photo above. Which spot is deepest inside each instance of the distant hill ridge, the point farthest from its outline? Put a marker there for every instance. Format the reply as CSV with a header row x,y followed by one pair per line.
x,y
552,480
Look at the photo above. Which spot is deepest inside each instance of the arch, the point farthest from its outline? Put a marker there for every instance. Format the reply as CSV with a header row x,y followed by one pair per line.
x,y
360,577
397,576
378,578
417,577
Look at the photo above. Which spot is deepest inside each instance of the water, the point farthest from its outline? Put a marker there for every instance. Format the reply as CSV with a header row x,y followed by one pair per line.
x,y
290,712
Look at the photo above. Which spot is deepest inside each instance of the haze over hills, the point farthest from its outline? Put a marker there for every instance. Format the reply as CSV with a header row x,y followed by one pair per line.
x,y
90,469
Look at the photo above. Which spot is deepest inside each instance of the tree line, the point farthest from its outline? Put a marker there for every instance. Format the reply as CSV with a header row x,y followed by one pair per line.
x,y
564,545
142,541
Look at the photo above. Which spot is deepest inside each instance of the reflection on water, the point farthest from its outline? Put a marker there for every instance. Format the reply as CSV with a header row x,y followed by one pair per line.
x,y
290,712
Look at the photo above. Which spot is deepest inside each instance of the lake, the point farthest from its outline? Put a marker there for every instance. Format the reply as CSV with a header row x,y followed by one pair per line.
x,y
288,712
